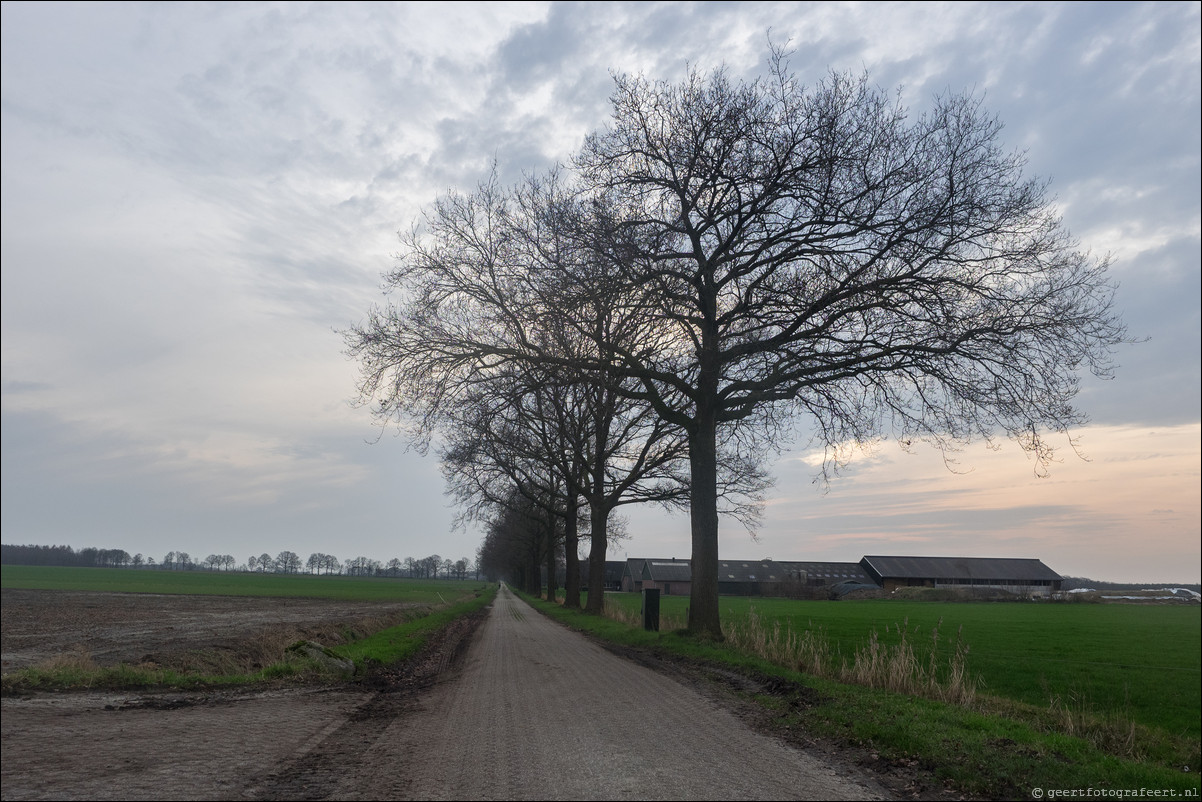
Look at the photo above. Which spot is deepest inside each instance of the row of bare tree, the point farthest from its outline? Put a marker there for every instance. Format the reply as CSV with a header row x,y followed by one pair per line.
x,y
432,567
645,323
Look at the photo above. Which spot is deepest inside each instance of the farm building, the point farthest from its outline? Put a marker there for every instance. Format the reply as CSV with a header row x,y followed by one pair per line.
x,y
802,579
672,577
613,574
820,573
740,577
632,575
1025,577
748,577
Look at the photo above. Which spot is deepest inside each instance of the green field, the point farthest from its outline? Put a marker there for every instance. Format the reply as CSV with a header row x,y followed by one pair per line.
x,y
1139,662
219,583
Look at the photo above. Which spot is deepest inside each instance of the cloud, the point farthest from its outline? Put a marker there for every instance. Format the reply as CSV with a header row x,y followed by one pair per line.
x,y
196,197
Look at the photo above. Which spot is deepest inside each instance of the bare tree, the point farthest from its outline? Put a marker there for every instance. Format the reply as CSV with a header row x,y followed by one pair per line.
x,y
513,542
288,562
816,251
514,375
778,251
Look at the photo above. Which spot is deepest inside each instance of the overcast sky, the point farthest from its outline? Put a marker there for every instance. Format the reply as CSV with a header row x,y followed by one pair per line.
x,y
197,196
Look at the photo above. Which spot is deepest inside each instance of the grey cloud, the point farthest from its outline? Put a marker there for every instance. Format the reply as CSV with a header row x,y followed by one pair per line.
x,y
201,193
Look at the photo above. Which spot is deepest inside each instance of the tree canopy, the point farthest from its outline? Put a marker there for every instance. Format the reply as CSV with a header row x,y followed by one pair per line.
x,y
773,250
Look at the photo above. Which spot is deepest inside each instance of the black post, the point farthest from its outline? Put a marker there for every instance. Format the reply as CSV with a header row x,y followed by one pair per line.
x,y
651,609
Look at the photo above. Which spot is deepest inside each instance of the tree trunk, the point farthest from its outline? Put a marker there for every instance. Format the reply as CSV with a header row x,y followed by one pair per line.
x,y
571,546
552,585
534,580
599,517
703,503
598,508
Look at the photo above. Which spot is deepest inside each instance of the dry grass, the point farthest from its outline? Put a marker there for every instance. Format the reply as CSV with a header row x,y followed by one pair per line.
x,y
667,623
896,667
78,659
268,646
1114,734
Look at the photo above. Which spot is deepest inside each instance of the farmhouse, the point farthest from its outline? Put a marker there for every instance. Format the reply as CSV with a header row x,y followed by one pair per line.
x,y
1025,577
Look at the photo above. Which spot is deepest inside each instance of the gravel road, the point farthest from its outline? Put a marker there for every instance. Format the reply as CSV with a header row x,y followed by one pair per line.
x,y
539,712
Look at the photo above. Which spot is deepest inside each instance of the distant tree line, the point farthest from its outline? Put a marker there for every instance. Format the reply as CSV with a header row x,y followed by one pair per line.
x,y
65,555
286,562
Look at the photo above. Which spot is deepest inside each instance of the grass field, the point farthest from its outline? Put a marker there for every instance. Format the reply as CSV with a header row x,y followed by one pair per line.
x,y
1140,662
990,747
219,583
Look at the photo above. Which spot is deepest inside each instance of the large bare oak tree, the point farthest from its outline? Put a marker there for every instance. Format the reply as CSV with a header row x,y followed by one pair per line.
x,y
818,251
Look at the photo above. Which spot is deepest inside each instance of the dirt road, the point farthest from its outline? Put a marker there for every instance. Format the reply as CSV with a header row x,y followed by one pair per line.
x,y
532,712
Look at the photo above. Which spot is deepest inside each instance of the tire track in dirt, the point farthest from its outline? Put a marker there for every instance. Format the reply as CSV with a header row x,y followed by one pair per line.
x,y
346,754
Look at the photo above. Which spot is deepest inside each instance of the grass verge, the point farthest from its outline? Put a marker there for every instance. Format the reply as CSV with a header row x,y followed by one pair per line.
x,y
990,748
399,643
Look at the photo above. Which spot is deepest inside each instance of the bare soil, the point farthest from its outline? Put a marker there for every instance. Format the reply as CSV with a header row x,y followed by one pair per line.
x,y
171,630
390,735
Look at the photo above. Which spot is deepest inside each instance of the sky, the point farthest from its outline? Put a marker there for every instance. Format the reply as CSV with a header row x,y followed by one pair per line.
x,y
198,197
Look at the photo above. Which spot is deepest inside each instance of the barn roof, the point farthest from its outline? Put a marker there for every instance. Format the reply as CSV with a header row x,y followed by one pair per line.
x,y
829,572
987,568
633,568
749,571
667,570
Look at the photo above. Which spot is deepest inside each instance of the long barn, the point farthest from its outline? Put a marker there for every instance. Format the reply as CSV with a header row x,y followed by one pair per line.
x,y
1025,577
